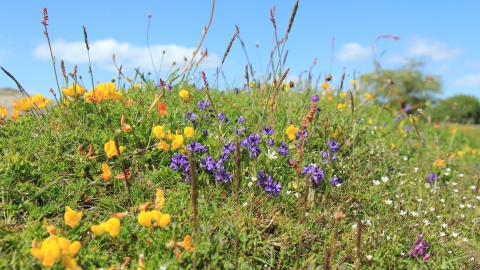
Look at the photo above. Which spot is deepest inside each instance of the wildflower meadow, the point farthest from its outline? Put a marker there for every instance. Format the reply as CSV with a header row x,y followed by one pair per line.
x,y
143,172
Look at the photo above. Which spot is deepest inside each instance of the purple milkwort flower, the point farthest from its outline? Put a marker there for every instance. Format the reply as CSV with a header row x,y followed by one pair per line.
x,y
228,148
314,98
240,131
271,142
336,181
197,148
268,130
221,116
205,132
396,119
283,149
316,173
432,177
241,119
251,144
408,128
326,155
319,109
202,104
190,116
221,175
301,133
236,90
208,163
334,146
179,163
266,182
419,248
408,108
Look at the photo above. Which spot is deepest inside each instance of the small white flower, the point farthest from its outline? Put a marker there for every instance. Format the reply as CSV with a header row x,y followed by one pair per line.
x,y
388,237
369,257
403,213
442,234
250,184
272,154
297,194
354,226
288,192
162,268
376,182
253,178
469,205
462,215
405,158
388,201
460,175
455,190
449,252
367,222
413,213
455,234
384,179
245,204
478,197
472,259
442,200
444,225
426,222
415,169
306,214
419,200
462,206
465,239
473,187
432,209
453,183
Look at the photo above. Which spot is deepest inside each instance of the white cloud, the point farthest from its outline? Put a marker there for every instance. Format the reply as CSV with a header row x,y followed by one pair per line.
x,y
434,50
354,51
126,54
474,64
468,80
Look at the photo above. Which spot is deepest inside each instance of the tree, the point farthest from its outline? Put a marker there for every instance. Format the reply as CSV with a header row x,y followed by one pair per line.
x,y
407,85
462,109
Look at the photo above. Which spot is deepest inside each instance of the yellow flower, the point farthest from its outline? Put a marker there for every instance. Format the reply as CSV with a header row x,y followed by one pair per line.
x,y
106,172
335,134
24,104
291,131
183,94
116,95
325,85
3,112
72,217
189,132
40,101
111,149
47,251
368,96
163,145
145,218
74,91
177,142
460,153
170,136
370,121
160,199
392,146
69,248
112,226
138,85
158,131
341,106
70,263
353,82
342,94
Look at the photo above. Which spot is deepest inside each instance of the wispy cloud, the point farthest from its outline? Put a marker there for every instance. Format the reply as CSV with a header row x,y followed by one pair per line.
x,y
472,64
353,52
468,80
126,54
434,50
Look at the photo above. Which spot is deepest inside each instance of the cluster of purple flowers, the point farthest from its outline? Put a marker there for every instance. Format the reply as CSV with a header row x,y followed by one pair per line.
x,y
326,154
179,163
268,130
168,87
203,104
420,247
217,168
251,143
314,98
316,173
190,116
267,183
241,129
403,113
197,148
336,181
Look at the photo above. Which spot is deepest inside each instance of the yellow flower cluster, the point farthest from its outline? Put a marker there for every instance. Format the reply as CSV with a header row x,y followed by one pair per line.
x,y
177,139
72,217
183,94
291,132
3,112
104,91
74,91
26,104
111,149
112,226
145,218
49,250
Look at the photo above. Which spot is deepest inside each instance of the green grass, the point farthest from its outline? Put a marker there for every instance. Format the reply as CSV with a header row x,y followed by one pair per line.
x,y
43,172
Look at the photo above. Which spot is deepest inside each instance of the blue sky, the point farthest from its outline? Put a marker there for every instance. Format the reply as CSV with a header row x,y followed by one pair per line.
x,y
440,33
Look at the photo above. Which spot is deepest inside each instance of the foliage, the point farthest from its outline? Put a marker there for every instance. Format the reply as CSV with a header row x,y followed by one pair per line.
x,y
458,109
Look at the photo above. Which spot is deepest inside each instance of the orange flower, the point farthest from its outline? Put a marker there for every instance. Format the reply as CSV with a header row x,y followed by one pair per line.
x,y
186,243
341,106
162,109
106,172
439,162
3,112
